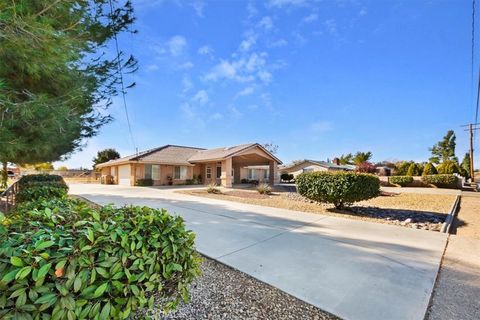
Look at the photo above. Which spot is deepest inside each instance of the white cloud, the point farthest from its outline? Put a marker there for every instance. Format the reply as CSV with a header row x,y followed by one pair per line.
x,y
285,3
321,126
245,92
251,10
185,66
198,7
235,112
331,26
279,43
266,23
248,42
206,51
216,116
152,67
310,18
201,97
363,12
187,110
187,84
176,45
245,69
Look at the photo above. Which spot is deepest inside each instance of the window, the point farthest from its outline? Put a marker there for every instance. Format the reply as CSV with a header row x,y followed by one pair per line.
x,y
219,172
265,174
251,174
148,171
209,172
156,172
152,171
180,173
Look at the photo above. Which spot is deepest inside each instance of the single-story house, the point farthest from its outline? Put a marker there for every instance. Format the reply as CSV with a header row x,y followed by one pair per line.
x,y
172,164
314,165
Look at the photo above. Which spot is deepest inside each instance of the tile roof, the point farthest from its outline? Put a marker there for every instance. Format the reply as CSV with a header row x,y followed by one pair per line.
x,y
181,155
219,153
324,164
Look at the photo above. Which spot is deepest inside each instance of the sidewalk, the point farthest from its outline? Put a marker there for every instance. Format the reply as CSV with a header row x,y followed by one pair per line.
x,y
458,285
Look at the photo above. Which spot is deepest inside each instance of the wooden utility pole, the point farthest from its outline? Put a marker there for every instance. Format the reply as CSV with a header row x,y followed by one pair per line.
x,y
471,128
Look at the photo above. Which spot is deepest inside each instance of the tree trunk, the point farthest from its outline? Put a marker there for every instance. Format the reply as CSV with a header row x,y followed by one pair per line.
x,y
4,178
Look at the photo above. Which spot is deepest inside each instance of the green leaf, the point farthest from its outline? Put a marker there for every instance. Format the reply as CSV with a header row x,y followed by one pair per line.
x,y
16,261
44,244
105,314
22,273
44,270
86,248
104,273
90,235
10,276
100,290
77,284
47,298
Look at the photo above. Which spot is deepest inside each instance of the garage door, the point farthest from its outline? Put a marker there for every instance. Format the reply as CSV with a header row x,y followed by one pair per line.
x,y
124,175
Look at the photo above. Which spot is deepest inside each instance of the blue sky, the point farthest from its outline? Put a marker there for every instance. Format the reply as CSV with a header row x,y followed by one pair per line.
x,y
317,78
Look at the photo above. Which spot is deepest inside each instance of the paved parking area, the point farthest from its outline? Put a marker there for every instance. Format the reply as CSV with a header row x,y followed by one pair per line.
x,y
354,269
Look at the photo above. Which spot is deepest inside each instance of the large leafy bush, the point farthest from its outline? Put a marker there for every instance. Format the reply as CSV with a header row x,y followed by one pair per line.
x,y
62,259
400,180
429,169
448,167
441,180
40,186
339,188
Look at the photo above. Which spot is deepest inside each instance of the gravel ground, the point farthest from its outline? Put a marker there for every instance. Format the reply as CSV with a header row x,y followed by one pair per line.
x,y
224,293
419,211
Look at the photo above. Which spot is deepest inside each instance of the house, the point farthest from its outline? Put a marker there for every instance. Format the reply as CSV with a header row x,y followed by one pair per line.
x,y
314,165
172,164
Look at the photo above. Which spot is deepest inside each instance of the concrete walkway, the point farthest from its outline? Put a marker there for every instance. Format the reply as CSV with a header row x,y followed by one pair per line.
x,y
351,268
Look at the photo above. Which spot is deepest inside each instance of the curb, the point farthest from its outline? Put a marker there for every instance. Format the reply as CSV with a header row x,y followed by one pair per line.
x,y
453,212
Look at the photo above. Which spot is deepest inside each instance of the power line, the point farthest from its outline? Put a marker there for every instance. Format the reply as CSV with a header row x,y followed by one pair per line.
x,y
119,66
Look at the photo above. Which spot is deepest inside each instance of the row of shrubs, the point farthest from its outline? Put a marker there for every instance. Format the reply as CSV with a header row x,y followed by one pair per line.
x,y
420,169
437,180
339,188
61,258
38,186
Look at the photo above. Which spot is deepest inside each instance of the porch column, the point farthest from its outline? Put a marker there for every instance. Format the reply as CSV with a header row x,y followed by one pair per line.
x,y
273,177
226,177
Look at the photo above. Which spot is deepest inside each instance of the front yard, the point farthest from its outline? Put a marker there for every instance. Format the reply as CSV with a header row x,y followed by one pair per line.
x,y
419,211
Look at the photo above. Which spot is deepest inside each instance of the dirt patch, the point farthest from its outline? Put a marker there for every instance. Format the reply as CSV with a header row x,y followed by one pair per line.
x,y
467,223
419,211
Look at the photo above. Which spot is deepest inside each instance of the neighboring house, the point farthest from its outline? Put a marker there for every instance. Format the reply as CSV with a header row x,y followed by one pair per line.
x,y
178,164
314,165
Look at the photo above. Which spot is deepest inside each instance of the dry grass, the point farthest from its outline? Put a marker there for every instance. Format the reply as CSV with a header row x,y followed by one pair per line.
x,y
428,203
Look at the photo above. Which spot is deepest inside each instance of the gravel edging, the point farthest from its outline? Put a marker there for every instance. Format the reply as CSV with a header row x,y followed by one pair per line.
x,y
222,292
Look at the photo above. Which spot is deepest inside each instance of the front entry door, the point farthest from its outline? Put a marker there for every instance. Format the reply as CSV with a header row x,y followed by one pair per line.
x,y
218,174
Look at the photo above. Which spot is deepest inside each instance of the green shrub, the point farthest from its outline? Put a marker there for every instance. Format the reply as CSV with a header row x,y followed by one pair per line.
x,y
339,188
400,180
414,170
429,169
62,259
448,167
401,168
264,188
144,182
40,186
213,188
441,180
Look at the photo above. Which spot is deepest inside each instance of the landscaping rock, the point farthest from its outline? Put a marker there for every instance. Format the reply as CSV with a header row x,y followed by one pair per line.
x,y
224,293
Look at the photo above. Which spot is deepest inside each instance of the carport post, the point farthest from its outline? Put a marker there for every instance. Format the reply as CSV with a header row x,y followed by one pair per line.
x,y
272,173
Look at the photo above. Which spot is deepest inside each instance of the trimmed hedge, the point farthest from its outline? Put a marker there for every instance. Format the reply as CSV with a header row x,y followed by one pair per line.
x,y
144,182
340,188
40,186
441,180
62,259
400,180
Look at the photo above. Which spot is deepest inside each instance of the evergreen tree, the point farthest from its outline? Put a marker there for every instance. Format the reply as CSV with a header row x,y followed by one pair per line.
x,y
56,75
429,169
444,149
466,165
105,155
414,170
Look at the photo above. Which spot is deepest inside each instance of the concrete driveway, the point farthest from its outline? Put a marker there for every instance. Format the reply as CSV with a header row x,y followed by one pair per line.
x,y
354,269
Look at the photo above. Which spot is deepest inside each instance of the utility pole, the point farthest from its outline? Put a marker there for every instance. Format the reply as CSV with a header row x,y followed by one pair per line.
x,y
471,127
